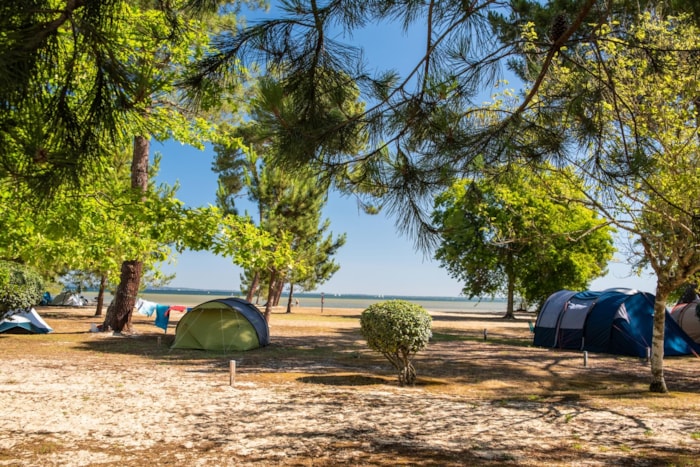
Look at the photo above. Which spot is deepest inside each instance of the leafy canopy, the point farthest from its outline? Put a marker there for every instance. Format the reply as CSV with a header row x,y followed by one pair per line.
x,y
523,230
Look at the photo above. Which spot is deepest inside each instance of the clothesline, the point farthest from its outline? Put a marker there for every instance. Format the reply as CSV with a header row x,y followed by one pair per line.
x,y
162,312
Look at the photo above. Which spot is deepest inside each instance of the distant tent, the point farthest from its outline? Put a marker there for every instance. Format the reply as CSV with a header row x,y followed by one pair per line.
x,y
24,322
46,299
226,324
69,299
687,315
615,321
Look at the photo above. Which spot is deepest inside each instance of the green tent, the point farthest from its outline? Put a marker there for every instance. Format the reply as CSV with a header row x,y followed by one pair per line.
x,y
227,324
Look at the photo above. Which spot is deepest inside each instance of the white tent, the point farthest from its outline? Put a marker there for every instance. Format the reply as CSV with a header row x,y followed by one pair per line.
x,y
687,315
69,299
24,321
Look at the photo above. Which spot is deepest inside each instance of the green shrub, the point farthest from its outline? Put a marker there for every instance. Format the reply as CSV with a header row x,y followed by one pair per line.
x,y
398,329
20,287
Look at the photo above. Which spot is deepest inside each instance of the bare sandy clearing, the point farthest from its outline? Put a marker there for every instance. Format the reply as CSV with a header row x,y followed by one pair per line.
x,y
317,396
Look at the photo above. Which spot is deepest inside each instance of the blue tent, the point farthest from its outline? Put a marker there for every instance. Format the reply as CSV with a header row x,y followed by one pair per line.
x,y
615,321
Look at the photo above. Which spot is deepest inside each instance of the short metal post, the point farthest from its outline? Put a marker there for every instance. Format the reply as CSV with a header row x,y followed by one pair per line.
x,y
486,334
232,373
585,358
648,354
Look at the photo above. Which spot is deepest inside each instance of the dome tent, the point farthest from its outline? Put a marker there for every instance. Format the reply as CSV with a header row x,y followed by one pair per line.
x,y
615,321
687,315
226,324
24,322
69,298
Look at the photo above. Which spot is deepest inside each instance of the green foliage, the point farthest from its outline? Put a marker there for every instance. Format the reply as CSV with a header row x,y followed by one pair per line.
x,y
628,98
252,247
523,231
398,329
289,202
77,77
95,229
20,287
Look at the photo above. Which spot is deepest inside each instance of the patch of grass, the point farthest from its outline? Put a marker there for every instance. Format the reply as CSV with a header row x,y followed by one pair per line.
x,y
695,435
682,461
494,339
46,447
444,337
6,454
315,318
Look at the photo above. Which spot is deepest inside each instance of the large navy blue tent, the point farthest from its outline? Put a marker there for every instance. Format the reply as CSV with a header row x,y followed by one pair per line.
x,y
615,321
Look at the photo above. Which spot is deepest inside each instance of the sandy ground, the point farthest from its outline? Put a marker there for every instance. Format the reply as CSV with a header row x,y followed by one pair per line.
x,y
317,396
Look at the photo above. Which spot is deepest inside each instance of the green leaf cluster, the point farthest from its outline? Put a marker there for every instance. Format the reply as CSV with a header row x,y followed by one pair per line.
x,y
20,287
629,95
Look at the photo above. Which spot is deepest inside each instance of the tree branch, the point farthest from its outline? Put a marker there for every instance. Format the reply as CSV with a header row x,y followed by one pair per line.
x,y
552,52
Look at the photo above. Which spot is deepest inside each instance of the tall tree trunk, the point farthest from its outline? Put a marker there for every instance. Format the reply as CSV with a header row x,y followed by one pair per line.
x,y
101,295
270,297
254,284
291,297
130,279
658,383
119,312
510,306
279,287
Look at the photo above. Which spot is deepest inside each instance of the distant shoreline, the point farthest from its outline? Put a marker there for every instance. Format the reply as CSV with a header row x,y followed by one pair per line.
x,y
193,297
312,295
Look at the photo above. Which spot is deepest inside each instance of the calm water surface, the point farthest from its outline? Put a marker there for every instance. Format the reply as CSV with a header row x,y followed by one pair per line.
x,y
443,304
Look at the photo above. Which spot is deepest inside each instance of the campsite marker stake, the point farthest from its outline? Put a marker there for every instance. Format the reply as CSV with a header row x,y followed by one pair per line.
x,y
585,358
232,373
648,354
486,333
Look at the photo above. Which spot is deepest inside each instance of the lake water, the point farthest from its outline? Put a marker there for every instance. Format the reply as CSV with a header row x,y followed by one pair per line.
x,y
189,297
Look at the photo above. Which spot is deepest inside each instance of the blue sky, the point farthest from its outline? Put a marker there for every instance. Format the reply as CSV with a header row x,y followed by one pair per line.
x,y
375,260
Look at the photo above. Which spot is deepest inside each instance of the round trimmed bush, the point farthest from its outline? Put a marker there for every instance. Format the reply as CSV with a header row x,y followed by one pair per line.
x,y
398,329
20,287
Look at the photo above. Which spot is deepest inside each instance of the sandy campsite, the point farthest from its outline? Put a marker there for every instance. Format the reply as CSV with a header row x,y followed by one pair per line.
x,y
318,396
